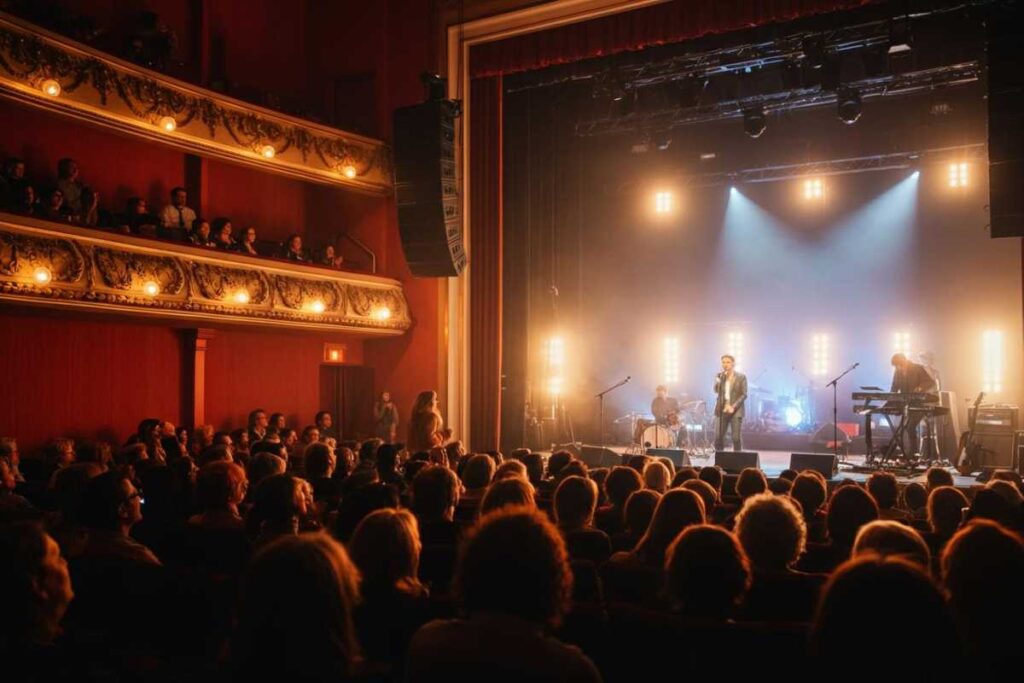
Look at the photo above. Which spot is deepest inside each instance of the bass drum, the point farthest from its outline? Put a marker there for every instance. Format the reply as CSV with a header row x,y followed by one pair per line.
x,y
657,436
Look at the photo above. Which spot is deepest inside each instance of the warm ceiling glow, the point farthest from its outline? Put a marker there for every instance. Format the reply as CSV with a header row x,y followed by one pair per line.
x,y
958,175
42,275
268,151
50,87
814,188
151,288
168,124
241,297
317,306
349,171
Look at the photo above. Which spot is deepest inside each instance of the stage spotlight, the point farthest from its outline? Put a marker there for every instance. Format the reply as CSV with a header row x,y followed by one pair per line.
x,y
819,355
958,174
670,360
754,122
992,360
848,105
814,189
901,343
554,355
734,347
794,416
662,202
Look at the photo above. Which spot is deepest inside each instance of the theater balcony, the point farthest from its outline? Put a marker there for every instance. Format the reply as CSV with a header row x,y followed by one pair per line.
x,y
69,267
51,72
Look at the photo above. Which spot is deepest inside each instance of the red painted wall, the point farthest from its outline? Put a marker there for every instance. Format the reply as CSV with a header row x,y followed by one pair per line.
x,y
84,378
273,204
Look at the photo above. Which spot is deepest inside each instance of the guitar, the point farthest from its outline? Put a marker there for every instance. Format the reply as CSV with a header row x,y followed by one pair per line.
x,y
970,450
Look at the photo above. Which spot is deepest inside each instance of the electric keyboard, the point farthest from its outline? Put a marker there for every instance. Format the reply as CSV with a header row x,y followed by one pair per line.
x,y
894,397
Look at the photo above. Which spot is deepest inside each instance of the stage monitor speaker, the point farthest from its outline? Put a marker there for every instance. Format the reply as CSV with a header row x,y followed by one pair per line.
x,y
1005,119
995,430
596,456
735,462
678,456
427,189
824,463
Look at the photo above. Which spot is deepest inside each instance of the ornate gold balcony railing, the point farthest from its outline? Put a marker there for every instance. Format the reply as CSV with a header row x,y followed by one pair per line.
x,y
69,267
55,73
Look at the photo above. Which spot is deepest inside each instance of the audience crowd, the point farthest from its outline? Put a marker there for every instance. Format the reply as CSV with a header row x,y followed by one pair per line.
x,y
279,552
71,200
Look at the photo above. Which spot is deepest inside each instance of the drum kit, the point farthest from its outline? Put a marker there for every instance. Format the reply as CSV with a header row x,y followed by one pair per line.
x,y
690,428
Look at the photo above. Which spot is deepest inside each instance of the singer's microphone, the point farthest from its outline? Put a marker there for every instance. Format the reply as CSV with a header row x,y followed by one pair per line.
x,y
629,377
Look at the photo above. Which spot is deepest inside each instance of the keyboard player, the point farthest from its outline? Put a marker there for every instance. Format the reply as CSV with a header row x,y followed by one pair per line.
x,y
911,378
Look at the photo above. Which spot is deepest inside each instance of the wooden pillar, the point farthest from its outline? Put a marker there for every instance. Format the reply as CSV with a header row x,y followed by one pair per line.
x,y
194,378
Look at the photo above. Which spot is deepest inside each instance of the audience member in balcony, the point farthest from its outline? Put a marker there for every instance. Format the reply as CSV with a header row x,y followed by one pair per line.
x,y
385,412
12,506
53,207
177,214
221,234
292,249
329,257
246,243
69,185
11,181
138,219
9,450
90,214
25,203
200,235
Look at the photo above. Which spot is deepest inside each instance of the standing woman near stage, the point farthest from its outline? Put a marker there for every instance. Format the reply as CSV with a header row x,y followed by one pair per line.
x,y
385,412
426,427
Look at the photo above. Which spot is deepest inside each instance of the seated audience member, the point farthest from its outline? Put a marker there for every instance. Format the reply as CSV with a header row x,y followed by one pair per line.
x,y
359,502
320,464
936,477
177,215
809,489
637,516
310,436
780,486
850,508
883,488
684,474
325,423
981,564
386,549
435,494
9,450
477,476
278,422
64,524
707,573
751,482
789,474
557,461
296,619
35,591
388,466
246,243
510,468
535,469
574,504
200,235
59,453
12,506
620,483
329,257
69,186
773,534
861,597
706,491
656,476
12,178
220,233
988,504
258,422
278,505
889,538
1011,495
945,507
25,202
220,489
53,208
263,465
915,500
712,475
502,493
240,438
514,583
137,219
1014,478
292,248
90,216
110,507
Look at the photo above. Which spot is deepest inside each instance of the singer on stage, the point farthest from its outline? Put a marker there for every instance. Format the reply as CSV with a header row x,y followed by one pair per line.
x,y
731,392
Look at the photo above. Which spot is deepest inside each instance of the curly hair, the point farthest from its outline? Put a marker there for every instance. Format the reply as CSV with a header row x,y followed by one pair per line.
x,y
772,531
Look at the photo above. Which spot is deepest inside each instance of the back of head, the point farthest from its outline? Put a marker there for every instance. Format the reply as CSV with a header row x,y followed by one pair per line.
x,y
639,510
772,532
713,476
359,503
218,484
677,510
478,472
557,461
214,453
510,468
883,487
638,463
317,460
1007,490
915,496
386,549
861,597
296,616
684,474
780,486
574,468
509,492
892,539
32,609
851,508
575,502
937,476
945,510
434,491
368,450
515,563
620,483
707,572
69,485
706,491
810,491
669,465
988,504
100,500
788,474
276,499
263,465
751,482
657,476
534,467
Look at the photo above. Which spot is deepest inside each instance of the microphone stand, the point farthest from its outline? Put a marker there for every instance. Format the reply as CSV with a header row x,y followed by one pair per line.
x,y
835,409
600,408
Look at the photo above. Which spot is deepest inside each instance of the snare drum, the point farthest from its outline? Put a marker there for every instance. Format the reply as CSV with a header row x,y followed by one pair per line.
x,y
658,437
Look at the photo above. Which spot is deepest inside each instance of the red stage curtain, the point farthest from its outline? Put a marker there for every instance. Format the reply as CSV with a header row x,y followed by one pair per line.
x,y
671,22
485,214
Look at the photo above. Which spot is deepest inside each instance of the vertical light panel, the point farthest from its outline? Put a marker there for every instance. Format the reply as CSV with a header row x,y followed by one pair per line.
x,y
662,202
992,361
819,354
901,343
554,355
734,347
958,175
670,361
814,188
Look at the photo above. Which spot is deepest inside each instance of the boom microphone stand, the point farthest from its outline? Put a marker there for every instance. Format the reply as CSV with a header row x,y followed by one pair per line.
x,y
835,408
600,408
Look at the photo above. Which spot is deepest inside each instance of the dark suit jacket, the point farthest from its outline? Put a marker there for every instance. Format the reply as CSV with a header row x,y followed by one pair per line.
x,y
738,394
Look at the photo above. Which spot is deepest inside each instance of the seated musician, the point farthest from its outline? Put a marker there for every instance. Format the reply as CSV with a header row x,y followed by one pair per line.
x,y
664,407
911,378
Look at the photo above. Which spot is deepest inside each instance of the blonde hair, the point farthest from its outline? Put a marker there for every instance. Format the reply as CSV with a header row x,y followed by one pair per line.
x,y
386,548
